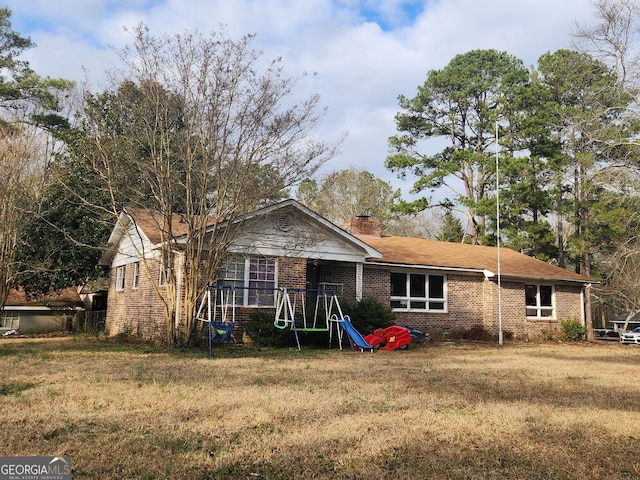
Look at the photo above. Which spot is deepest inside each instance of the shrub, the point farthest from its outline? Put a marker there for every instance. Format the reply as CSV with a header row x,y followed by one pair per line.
x,y
369,314
261,330
477,332
366,316
573,330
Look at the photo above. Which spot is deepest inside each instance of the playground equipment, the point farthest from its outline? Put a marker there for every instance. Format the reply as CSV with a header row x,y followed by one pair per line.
x,y
357,340
390,338
218,313
291,312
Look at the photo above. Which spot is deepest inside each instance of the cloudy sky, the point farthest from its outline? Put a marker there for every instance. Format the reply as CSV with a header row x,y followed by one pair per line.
x,y
365,52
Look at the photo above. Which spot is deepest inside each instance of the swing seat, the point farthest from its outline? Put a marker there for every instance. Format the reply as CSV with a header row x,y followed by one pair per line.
x,y
312,329
223,332
282,324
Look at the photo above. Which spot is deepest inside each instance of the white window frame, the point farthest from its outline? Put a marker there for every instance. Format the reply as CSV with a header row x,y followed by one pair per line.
x,y
408,299
136,275
10,320
121,275
244,278
538,308
165,273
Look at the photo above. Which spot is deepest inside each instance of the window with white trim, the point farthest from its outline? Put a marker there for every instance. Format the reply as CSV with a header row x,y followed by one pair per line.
x,y
10,320
165,273
418,292
136,274
539,300
254,277
120,276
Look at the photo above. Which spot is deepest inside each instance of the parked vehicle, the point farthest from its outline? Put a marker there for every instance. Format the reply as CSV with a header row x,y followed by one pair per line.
x,y
632,336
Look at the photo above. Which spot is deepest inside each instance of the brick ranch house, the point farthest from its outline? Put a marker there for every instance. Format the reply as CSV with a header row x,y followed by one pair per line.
x,y
433,286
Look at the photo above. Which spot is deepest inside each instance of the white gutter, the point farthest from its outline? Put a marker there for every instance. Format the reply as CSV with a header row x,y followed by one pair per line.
x,y
582,312
427,267
548,279
359,281
485,272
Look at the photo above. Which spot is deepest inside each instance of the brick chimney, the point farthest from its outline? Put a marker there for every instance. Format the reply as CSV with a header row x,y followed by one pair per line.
x,y
363,225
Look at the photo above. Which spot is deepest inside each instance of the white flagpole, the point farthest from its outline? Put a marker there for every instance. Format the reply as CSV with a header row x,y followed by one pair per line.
x,y
500,335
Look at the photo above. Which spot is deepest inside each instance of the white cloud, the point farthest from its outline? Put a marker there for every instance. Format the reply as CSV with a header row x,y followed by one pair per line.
x,y
361,66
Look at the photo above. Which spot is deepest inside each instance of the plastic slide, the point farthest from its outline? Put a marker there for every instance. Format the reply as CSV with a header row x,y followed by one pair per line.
x,y
354,335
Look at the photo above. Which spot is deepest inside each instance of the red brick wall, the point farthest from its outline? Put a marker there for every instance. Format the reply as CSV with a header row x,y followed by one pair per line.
x,y
464,308
472,300
292,272
136,312
342,273
363,226
376,284
568,303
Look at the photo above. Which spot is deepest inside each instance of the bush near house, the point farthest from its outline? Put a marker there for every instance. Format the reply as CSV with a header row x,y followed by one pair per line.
x,y
573,330
366,316
261,331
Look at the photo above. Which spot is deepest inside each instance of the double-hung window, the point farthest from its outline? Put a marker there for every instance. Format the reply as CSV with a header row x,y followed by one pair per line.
x,y
418,292
166,271
254,279
540,301
120,276
136,274
10,320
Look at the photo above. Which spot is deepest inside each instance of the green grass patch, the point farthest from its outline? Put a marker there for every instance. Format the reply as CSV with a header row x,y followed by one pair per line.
x,y
14,388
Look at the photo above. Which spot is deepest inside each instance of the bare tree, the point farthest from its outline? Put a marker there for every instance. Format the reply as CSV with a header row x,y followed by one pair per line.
x,y
21,170
217,134
349,193
614,38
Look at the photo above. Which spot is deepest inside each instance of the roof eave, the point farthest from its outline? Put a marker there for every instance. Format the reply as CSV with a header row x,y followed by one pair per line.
x,y
427,267
370,252
583,281
486,273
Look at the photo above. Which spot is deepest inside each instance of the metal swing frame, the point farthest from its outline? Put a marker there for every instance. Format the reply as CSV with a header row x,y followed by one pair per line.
x,y
293,300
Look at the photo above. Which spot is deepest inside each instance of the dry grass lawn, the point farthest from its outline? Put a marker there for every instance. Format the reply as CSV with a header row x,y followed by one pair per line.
x,y
550,411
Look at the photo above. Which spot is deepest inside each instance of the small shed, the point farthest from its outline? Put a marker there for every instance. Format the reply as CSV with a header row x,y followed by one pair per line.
x,y
52,312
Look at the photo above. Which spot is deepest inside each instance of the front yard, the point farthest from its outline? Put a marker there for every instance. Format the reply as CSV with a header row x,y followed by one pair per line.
x,y
459,411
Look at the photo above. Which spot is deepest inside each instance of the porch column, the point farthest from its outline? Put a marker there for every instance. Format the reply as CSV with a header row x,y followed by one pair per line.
x,y
359,281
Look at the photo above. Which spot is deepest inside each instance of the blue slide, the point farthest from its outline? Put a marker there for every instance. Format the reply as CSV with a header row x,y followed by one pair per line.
x,y
354,335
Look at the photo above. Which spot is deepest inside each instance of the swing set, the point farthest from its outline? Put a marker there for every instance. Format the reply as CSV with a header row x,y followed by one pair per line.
x,y
218,313
291,312
218,310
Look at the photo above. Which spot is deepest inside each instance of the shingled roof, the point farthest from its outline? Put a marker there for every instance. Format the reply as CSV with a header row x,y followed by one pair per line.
x,y
431,253
65,298
151,223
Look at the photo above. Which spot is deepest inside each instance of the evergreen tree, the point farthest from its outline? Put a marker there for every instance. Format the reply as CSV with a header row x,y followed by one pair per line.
x,y
461,104
28,103
451,229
